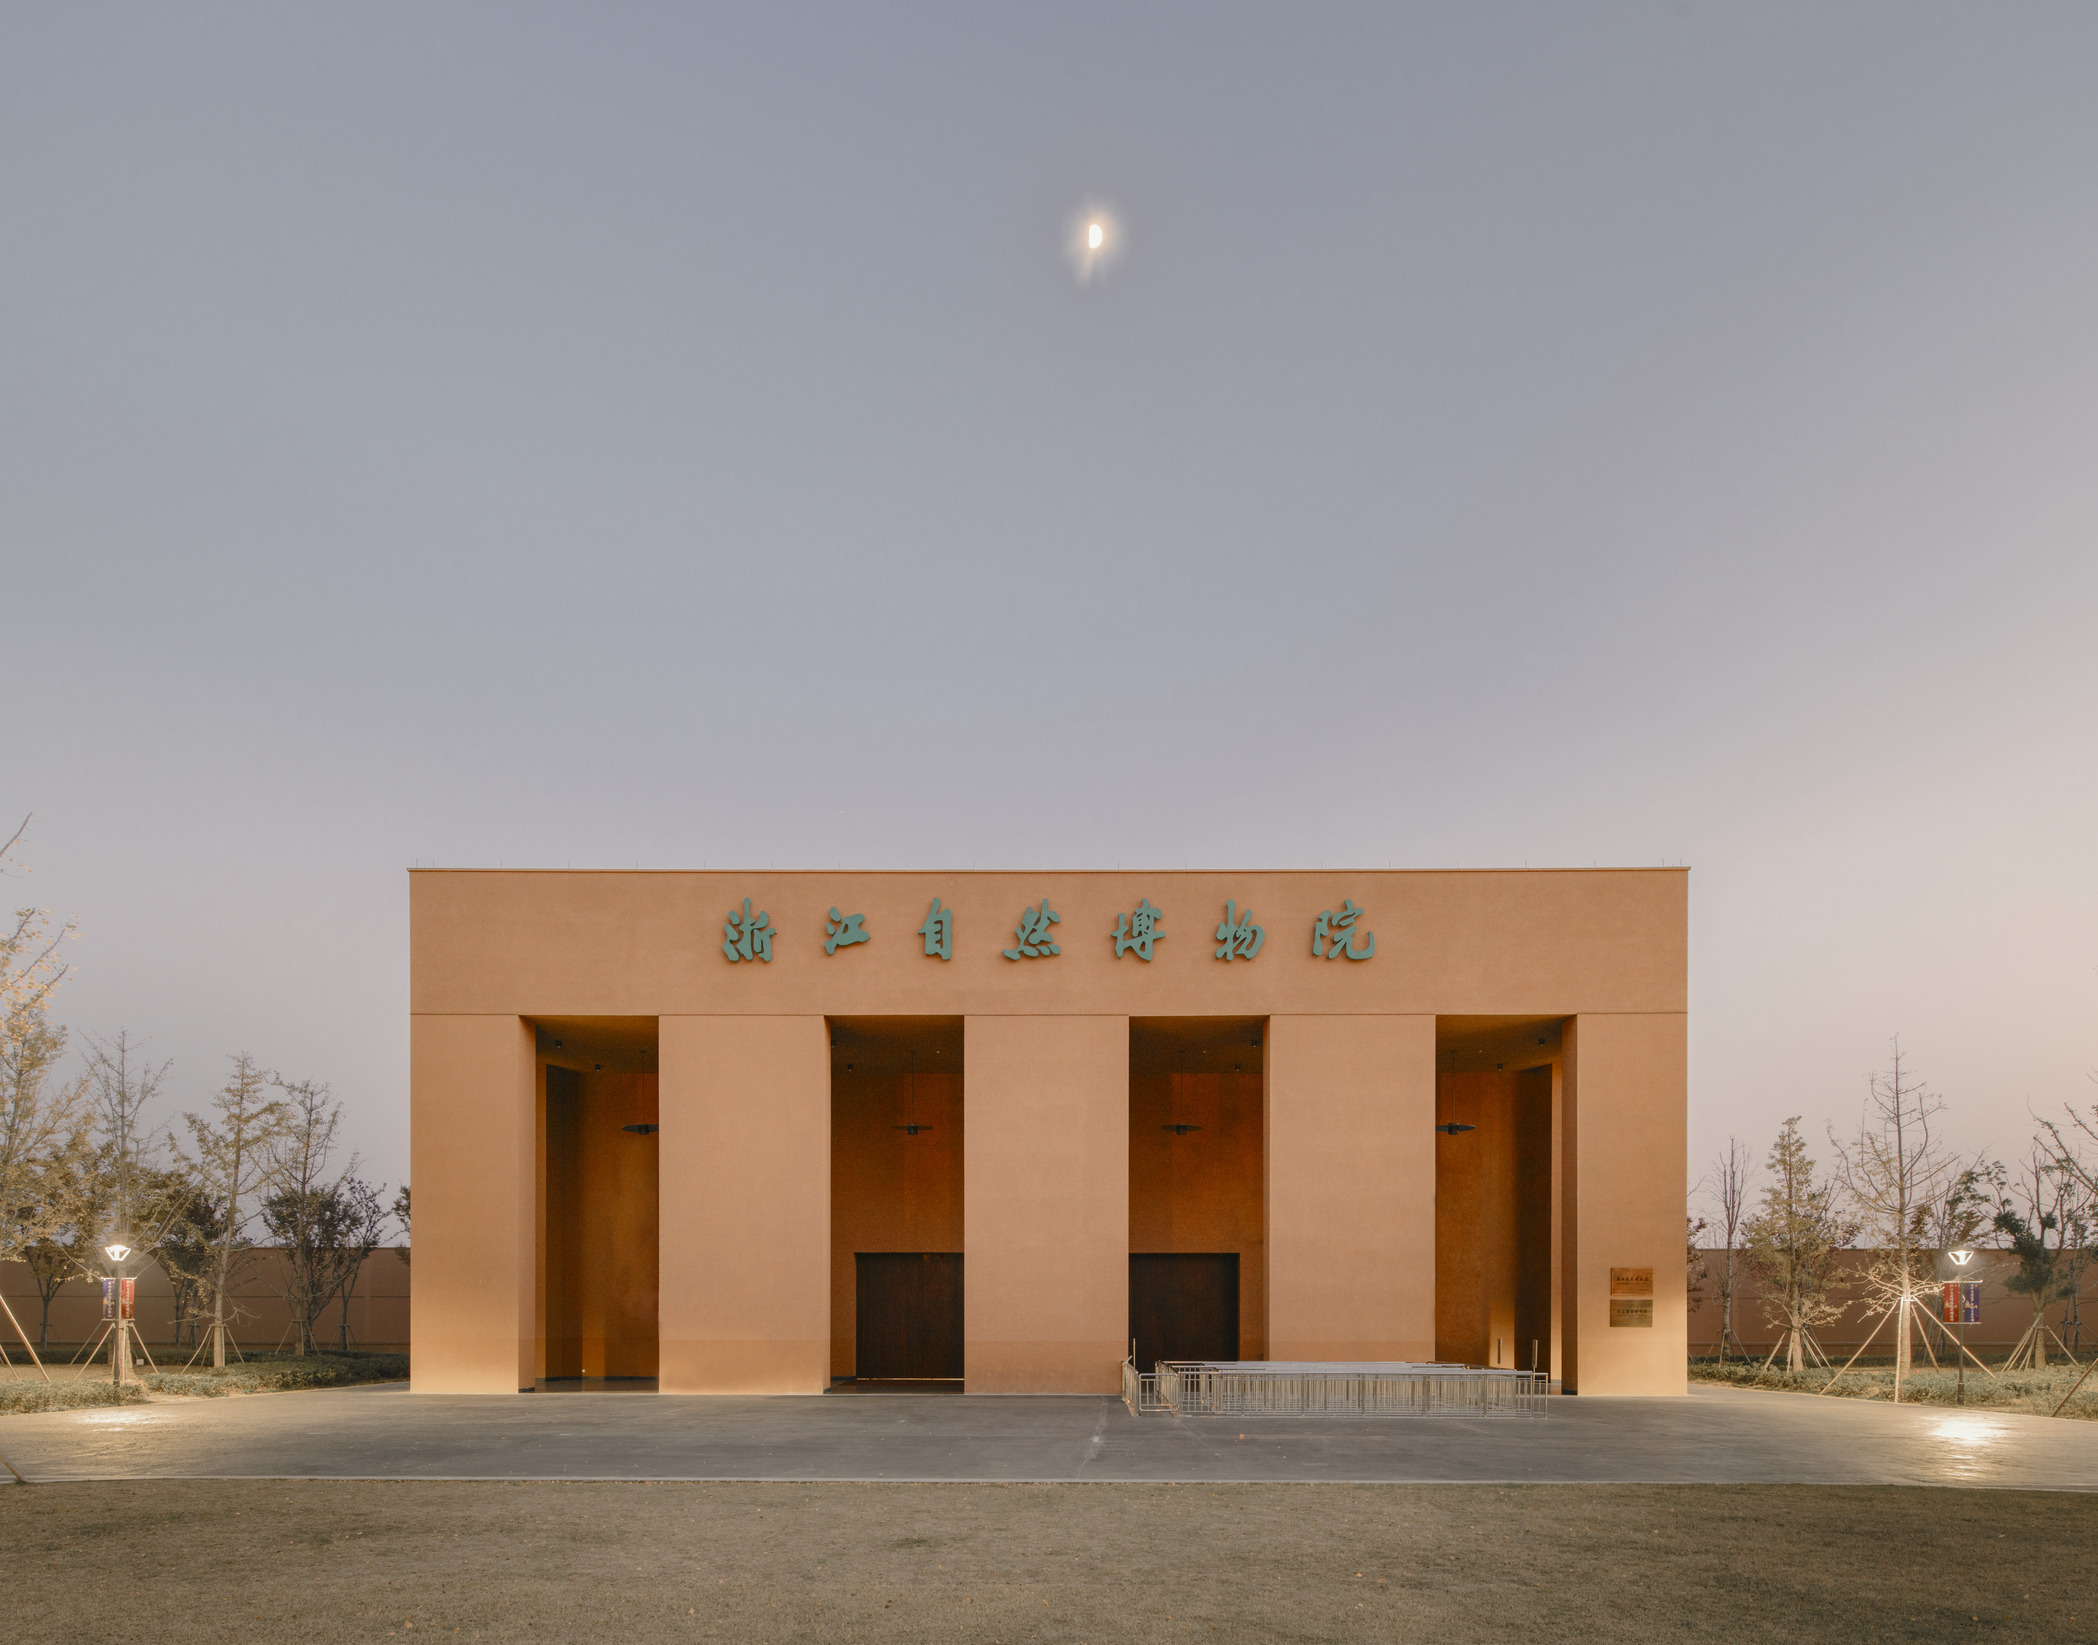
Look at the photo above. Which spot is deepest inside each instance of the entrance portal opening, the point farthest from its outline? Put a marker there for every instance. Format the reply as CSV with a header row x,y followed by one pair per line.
x,y
596,1281
1495,1084
896,1202
1197,1181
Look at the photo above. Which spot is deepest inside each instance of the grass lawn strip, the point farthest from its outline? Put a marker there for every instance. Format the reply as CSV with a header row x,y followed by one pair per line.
x,y
358,1560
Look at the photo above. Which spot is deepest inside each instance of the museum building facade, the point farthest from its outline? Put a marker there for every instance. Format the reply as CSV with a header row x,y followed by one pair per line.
x,y
785,1132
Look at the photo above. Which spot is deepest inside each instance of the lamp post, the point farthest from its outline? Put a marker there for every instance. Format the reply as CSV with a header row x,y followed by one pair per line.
x,y
1957,1312
119,1343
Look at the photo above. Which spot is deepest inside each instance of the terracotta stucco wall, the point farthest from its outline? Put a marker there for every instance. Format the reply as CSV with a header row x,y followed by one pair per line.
x,y
1625,1076
745,1205
644,944
748,1270
1493,1217
473,1153
261,1321
599,1312
1351,1187
1046,1160
890,1190
1201,1191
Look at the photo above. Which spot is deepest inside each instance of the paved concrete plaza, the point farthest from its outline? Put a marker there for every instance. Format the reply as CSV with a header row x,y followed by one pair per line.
x,y
1714,1436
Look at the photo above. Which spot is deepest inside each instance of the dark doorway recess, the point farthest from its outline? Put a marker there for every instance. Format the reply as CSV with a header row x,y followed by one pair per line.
x,y
908,1315
1183,1305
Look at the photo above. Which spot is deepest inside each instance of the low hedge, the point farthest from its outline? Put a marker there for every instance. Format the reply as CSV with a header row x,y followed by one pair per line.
x,y
278,1373
2038,1391
19,1396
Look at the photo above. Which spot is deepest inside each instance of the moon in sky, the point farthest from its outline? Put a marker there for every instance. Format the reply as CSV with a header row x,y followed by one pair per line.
x,y
1095,242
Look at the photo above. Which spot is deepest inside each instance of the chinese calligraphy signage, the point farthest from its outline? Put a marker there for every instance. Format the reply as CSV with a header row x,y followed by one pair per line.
x,y
938,932
1238,938
1334,934
843,930
748,935
1135,933
1033,932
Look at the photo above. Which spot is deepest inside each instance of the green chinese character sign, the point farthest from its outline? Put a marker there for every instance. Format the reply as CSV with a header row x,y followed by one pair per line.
x,y
1333,935
938,932
1238,938
1135,933
843,930
748,936
1033,932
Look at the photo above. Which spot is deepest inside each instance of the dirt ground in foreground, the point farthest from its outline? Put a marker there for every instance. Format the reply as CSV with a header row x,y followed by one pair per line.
x,y
324,1560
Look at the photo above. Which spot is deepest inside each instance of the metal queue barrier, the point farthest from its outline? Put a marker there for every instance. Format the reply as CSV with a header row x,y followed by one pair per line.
x,y
1371,1388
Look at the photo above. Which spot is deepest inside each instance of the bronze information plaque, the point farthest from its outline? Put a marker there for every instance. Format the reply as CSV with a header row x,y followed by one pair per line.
x,y
1632,1311
1631,1282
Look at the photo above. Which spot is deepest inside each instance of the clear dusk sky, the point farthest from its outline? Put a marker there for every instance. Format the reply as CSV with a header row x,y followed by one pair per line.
x,y
625,435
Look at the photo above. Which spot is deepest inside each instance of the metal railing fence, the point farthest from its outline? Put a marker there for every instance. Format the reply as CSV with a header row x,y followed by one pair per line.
x,y
1274,1388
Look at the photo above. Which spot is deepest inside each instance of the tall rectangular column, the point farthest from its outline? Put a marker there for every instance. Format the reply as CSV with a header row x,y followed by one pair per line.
x,y
1045,1194
473,1155
1626,1092
744,1197
1351,1187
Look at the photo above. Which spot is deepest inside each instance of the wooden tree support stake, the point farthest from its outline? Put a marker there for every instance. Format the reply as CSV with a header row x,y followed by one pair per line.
x,y
2071,1394
26,1343
1885,1315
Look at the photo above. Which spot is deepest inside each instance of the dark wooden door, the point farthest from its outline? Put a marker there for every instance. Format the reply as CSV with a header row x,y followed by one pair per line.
x,y
908,1317
1183,1305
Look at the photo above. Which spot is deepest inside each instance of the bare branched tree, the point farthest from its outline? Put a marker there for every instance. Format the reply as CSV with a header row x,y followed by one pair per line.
x,y
233,1158
1792,1241
43,1121
400,1215
68,1213
188,1252
351,1230
42,1118
2040,1214
1897,1174
2067,1147
31,968
300,1212
1726,1189
121,1086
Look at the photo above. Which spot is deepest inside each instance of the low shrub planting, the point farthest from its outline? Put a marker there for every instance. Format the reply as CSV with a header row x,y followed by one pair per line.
x,y
2038,1391
21,1396
279,1373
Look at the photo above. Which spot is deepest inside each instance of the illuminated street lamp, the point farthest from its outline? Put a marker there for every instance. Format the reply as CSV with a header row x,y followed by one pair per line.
x,y
118,1295
1962,1308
